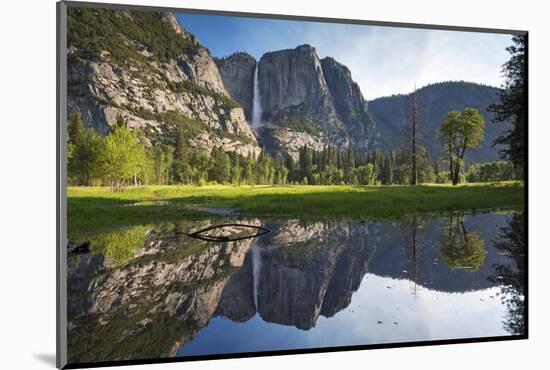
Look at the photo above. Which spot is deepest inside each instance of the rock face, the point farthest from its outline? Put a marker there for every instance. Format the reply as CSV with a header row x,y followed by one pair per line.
x,y
350,105
293,77
152,80
157,76
309,101
295,98
237,72
434,101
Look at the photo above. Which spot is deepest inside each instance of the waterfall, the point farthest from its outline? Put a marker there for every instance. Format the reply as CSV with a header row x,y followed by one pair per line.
x,y
256,269
256,101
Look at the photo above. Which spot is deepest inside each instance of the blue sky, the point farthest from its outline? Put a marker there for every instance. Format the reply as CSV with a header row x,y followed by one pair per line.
x,y
382,60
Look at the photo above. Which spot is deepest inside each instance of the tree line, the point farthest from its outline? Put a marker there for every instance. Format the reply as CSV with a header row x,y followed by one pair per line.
x,y
125,157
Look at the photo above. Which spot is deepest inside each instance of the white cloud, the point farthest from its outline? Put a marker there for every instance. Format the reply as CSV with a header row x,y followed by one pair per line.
x,y
387,60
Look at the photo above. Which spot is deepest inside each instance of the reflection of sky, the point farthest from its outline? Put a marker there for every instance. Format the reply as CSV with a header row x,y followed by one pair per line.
x,y
382,60
426,315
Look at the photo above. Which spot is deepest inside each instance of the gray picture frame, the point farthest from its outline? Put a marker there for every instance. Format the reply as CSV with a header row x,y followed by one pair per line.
x,y
61,176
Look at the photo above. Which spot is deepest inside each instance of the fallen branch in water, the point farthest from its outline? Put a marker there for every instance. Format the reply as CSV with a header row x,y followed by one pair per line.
x,y
209,238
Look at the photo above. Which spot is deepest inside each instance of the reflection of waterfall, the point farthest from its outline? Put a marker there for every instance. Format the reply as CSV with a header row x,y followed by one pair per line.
x,y
256,102
256,270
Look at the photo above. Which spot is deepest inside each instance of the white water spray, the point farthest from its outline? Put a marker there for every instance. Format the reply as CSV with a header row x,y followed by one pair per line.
x,y
256,102
256,270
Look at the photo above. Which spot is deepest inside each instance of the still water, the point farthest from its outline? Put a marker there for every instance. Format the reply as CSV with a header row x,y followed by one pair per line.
x,y
153,291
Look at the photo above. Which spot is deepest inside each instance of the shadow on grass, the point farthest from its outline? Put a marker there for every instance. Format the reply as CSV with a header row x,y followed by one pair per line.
x,y
92,215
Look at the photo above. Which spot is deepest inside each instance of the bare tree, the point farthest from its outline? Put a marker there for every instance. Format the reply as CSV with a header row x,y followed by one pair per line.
x,y
414,171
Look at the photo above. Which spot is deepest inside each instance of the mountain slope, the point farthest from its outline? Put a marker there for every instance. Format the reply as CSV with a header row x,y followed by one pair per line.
x,y
146,67
434,101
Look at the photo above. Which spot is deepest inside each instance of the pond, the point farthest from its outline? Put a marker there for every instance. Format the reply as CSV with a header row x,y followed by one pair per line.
x,y
154,291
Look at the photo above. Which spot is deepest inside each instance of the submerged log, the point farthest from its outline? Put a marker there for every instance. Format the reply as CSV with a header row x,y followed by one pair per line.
x,y
203,233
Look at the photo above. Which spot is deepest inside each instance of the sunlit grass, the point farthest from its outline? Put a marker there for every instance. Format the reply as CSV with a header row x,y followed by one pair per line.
x,y
97,207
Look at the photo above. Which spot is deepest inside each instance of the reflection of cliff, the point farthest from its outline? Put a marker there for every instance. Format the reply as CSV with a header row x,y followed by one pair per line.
x,y
313,269
158,300
152,304
306,271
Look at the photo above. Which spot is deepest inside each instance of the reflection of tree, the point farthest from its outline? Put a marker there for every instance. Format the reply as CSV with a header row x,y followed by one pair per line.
x,y
120,245
417,223
461,249
511,277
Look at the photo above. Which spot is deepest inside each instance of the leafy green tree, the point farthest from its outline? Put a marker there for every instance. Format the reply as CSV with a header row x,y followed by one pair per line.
x,y
200,163
491,171
402,166
511,107
291,167
365,174
121,157
168,164
157,159
460,131
283,175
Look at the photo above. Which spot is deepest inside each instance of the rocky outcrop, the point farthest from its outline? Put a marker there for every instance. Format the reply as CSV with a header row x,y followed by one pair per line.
x,y
350,105
292,77
237,72
309,101
293,92
143,82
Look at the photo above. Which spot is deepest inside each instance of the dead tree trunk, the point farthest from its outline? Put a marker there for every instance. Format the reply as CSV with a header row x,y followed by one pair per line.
x,y
414,143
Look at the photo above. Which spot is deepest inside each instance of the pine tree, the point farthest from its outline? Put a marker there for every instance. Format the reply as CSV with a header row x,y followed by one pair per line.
x,y
236,172
83,148
249,170
220,166
511,107
180,157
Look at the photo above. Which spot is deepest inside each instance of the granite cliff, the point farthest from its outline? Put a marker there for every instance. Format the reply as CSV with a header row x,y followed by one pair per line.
x,y
147,68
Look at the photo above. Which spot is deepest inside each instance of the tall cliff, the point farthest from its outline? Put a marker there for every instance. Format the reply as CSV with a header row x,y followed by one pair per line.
x,y
296,102
313,101
304,100
237,72
351,107
146,67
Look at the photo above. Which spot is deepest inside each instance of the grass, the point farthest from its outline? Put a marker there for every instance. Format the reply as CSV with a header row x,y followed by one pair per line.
x,y
97,208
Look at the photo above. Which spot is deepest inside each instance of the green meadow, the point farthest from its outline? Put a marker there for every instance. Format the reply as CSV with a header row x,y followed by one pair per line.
x,y
93,209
